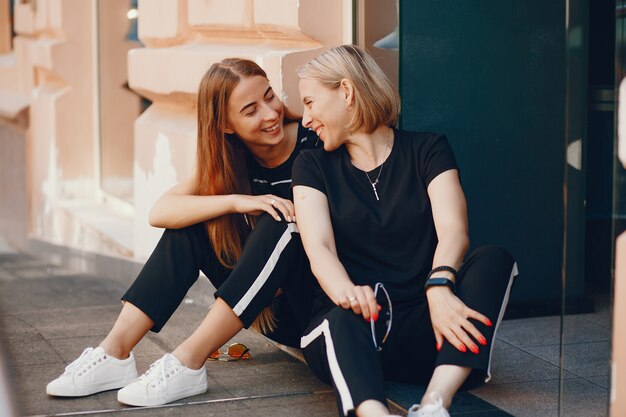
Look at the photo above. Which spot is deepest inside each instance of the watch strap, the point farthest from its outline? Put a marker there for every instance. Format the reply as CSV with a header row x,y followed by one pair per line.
x,y
440,282
443,268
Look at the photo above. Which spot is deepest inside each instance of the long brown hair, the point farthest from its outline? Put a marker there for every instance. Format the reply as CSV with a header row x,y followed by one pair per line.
x,y
221,157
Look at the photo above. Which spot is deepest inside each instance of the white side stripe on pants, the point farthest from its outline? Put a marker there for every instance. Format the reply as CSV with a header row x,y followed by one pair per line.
x,y
514,273
267,270
340,381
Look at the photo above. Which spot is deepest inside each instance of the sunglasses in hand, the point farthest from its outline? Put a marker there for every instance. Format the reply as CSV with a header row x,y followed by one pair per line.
x,y
234,352
381,328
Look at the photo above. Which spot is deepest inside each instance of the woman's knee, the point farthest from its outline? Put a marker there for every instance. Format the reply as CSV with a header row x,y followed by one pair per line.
x,y
338,321
178,235
494,259
345,322
489,264
340,328
268,224
493,253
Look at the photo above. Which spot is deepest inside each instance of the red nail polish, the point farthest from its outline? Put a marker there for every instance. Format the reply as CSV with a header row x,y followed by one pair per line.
x,y
482,341
367,319
438,347
489,323
474,349
462,348
375,316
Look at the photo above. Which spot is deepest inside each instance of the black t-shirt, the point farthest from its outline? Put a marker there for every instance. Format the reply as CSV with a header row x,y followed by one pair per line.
x,y
277,180
392,240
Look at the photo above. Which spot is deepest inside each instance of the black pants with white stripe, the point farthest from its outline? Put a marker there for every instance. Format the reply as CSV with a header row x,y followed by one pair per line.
x,y
338,344
273,258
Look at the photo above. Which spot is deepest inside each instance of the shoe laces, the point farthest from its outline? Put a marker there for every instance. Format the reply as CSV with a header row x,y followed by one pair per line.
x,y
160,371
434,409
85,362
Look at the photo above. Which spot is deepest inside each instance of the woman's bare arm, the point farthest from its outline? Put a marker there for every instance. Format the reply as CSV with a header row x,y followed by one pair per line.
x,y
318,239
450,218
178,207
450,317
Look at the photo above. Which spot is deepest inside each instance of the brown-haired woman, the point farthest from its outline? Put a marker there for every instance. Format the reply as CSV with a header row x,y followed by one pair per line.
x,y
247,142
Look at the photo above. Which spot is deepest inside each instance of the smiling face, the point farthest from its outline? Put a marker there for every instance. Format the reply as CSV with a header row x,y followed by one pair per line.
x,y
255,114
325,112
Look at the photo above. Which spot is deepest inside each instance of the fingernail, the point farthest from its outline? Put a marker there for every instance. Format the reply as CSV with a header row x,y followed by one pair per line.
x,y
288,218
367,319
375,316
438,346
380,308
277,218
482,341
489,323
462,348
474,349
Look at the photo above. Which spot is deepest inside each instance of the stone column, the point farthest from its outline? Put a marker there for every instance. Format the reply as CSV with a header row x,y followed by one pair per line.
x,y
54,59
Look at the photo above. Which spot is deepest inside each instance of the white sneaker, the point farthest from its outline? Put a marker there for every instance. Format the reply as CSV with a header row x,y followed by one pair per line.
x,y
94,371
435,409
167,380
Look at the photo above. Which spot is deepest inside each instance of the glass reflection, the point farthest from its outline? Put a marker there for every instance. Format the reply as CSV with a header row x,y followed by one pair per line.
x,y
377,31
587,295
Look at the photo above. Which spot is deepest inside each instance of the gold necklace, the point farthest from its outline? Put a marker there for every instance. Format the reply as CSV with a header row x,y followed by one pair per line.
x,y
380,170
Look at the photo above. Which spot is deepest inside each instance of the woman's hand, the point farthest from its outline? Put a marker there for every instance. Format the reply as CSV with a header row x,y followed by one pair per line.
x,y
257,204
450,319
361,300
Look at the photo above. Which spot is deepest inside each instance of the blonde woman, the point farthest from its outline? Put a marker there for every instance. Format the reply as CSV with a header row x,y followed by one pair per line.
x,y
383,221
234,220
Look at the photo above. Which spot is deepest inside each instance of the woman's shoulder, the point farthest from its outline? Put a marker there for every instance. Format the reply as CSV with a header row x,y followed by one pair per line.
x,y
317,160
306,138
312,156
418,137
421,142
308,168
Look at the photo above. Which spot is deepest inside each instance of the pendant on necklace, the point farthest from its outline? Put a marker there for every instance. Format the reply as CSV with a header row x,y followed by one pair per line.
x,y
374,188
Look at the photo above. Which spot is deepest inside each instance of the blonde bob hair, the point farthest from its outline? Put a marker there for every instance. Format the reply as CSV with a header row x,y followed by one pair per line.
x,y
376,101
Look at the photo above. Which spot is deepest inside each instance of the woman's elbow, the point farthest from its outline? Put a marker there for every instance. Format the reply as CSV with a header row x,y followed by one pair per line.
x,y
465,242
157,218
154,219
458,237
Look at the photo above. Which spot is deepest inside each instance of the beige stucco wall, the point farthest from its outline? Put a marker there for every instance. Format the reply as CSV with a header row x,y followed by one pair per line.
x,y
57,39
49,84
5,27
14,184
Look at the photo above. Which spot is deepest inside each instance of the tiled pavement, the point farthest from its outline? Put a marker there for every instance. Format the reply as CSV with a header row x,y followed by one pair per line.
x,y
51,314
526,366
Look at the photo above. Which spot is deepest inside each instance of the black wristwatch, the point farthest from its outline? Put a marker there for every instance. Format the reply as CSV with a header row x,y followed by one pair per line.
x,y
440,282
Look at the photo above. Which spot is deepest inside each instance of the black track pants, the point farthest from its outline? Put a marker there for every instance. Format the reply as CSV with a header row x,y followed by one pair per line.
x,y
338,344
273,258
